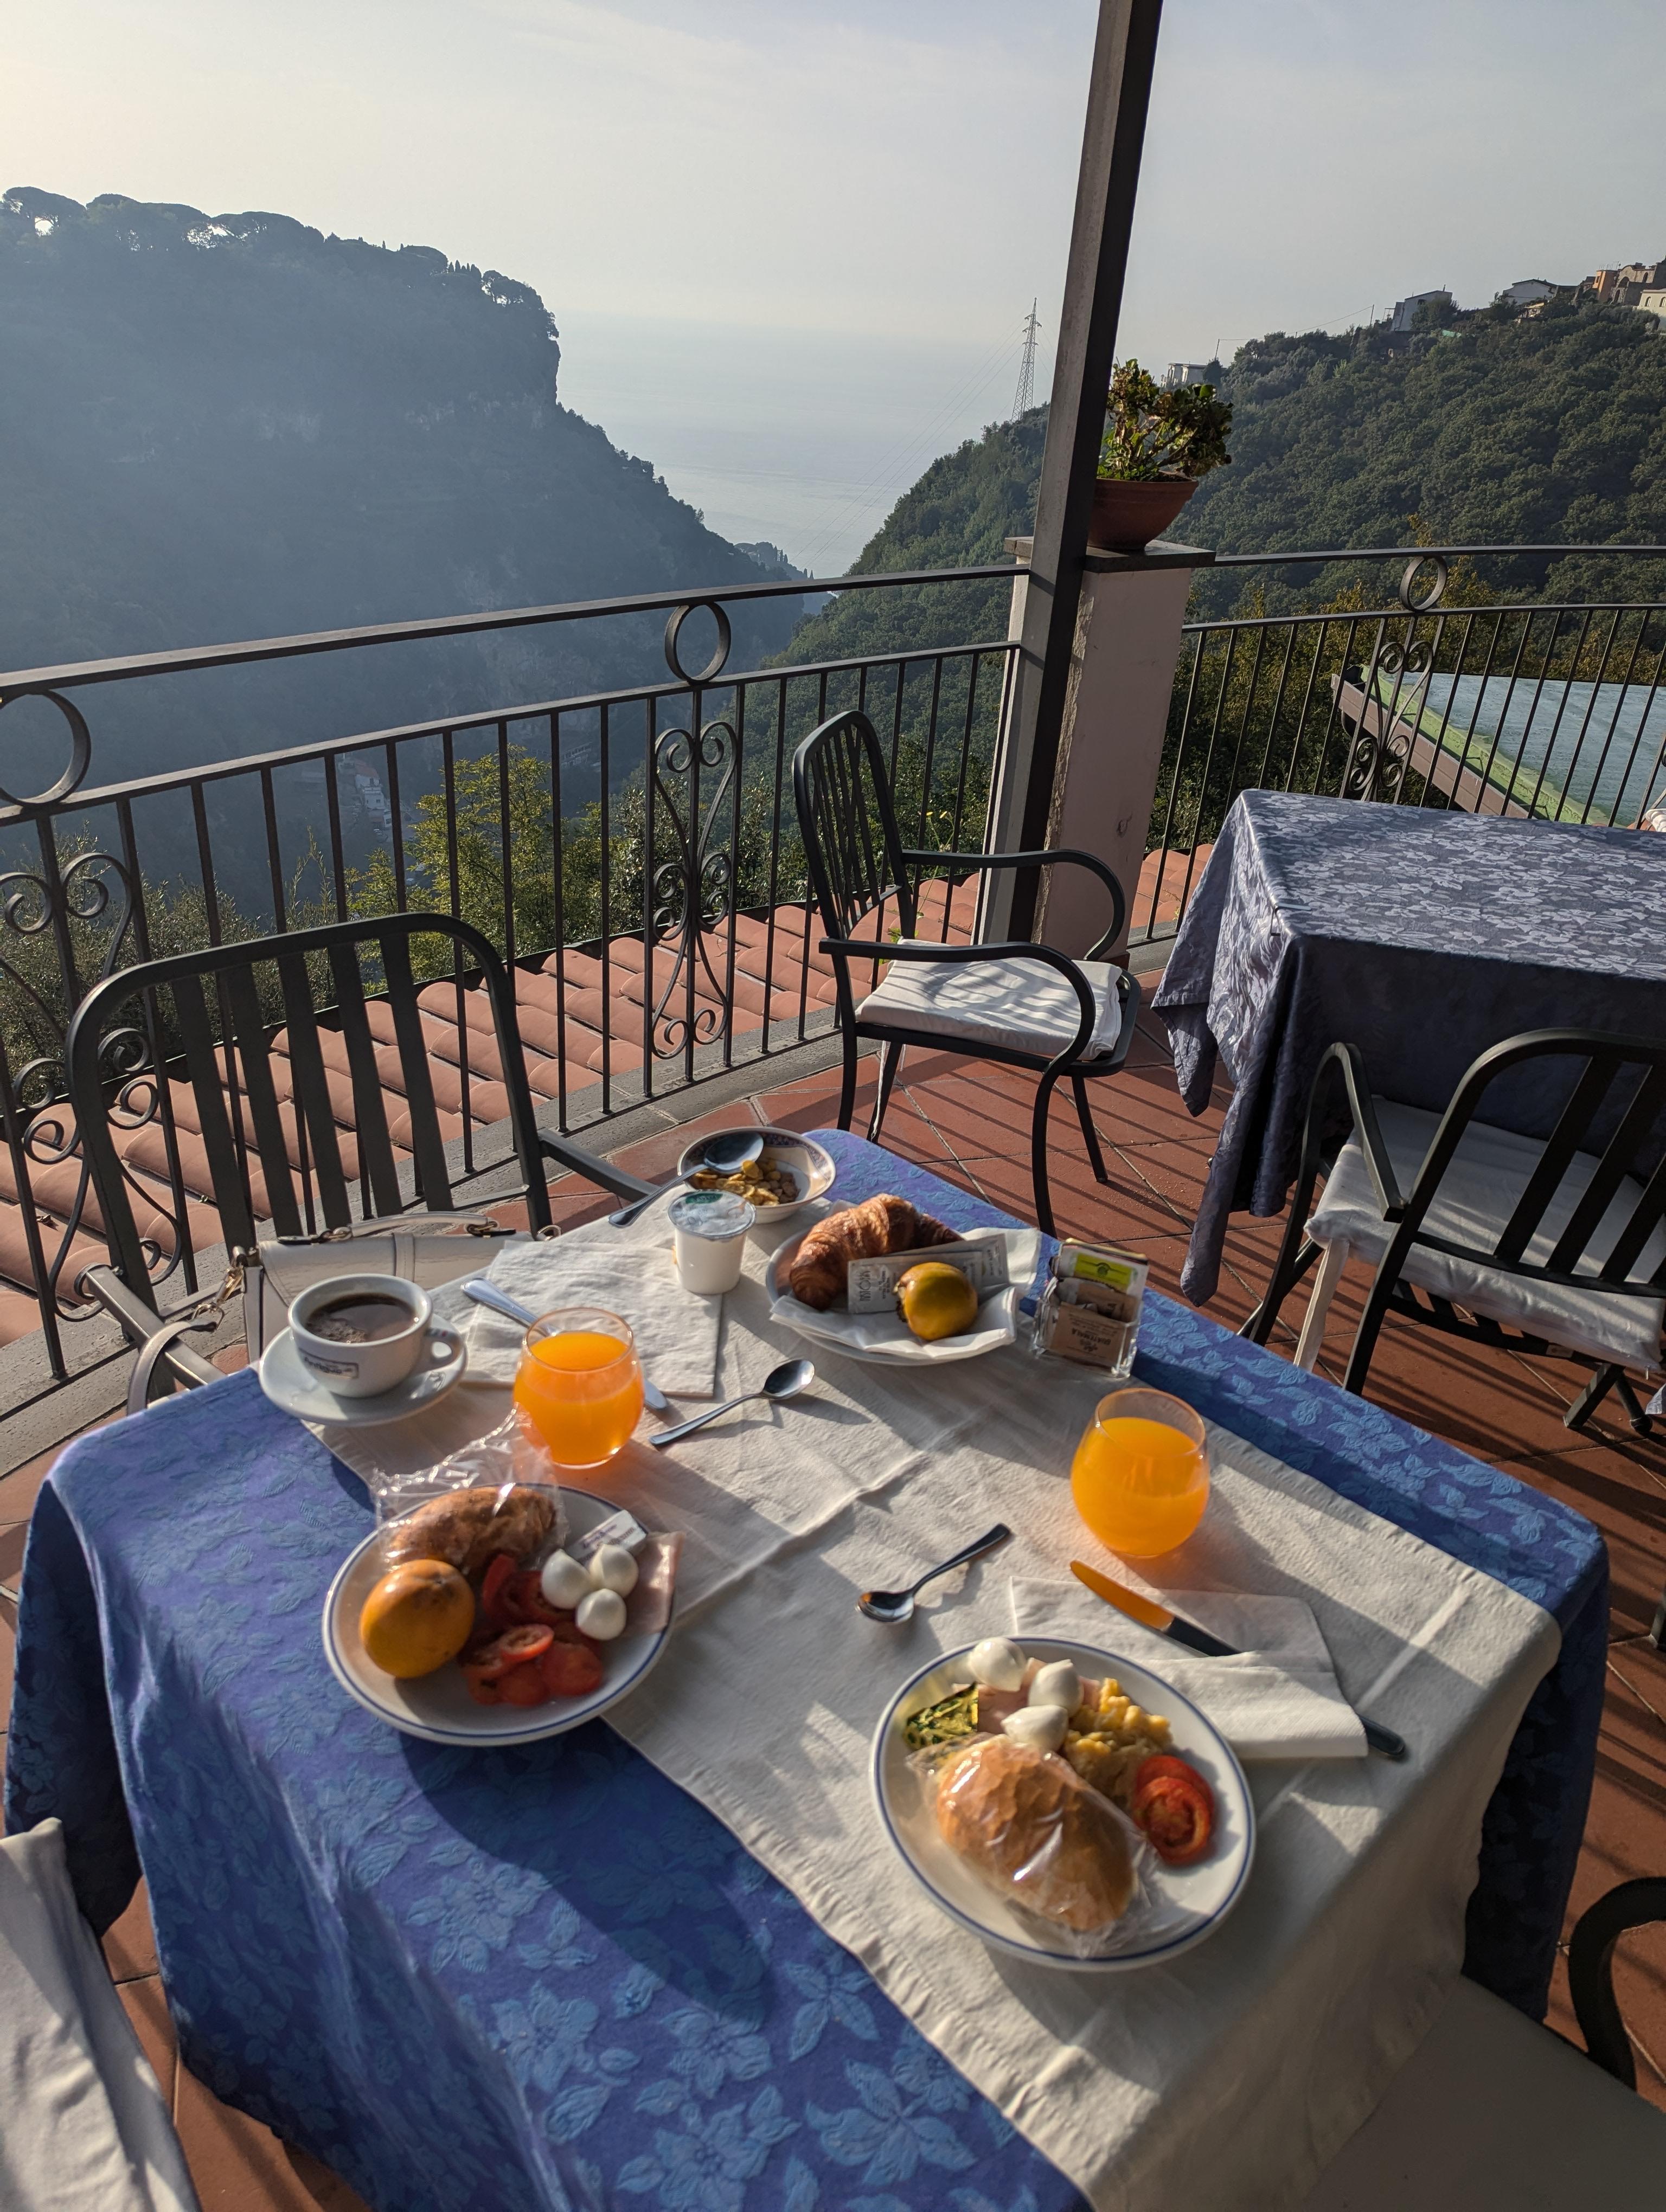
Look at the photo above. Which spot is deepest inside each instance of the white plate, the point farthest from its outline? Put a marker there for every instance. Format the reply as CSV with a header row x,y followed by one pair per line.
x,y
290,1382
997,1316
810,1166
1194,1900
438,1707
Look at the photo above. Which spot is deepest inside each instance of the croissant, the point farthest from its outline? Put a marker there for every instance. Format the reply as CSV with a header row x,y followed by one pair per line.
x,y
867,1231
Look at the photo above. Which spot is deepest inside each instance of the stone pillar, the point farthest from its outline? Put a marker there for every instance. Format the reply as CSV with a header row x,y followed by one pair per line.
x,y
1128,640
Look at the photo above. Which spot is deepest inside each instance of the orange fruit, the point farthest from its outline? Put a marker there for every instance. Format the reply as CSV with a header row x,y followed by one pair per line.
x,y
937,1300
419,1615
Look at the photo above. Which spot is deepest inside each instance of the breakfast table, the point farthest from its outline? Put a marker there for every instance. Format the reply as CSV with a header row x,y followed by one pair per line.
x,y
664,1959
1423,937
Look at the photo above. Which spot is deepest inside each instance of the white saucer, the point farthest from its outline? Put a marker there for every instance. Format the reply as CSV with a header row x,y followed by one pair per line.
x,y
289,1383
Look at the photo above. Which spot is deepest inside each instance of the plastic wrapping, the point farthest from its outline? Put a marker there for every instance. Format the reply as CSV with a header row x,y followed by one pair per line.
x,y
510,1453
1042,1839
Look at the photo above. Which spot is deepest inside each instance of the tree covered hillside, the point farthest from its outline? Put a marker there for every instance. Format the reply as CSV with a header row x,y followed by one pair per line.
x,y
1503,432
229,427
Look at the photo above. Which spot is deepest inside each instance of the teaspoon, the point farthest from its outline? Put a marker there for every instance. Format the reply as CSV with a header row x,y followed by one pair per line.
x,y
720,1155
780,1382
895,1607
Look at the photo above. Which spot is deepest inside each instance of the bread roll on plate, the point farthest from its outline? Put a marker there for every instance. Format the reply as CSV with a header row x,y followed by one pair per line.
x,y
1035,1831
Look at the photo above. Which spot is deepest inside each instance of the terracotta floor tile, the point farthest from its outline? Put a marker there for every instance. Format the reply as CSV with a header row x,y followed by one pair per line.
x,y
19,1489
238,2166
129,1946
147,2008
12,1533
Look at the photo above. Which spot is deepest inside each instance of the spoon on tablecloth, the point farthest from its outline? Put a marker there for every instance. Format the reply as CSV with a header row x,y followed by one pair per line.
x,y
485,1293
895,1607
780,1383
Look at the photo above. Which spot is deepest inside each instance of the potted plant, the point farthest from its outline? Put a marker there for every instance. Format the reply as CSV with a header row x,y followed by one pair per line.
x,y
1157,445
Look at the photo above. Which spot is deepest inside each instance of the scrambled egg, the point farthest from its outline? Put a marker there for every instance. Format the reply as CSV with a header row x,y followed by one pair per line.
x,y
1106,1742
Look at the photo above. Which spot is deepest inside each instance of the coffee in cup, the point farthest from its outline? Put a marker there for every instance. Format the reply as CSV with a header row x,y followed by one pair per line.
x,y
362,1335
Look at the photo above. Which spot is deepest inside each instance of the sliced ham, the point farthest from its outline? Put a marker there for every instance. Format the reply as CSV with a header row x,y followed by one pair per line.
x,y
648,1608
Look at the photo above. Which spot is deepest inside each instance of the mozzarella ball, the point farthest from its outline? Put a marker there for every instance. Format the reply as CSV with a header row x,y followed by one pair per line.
x,y
601,1614
1041,1727
611,1567
563,1581
1057,1685
997,1664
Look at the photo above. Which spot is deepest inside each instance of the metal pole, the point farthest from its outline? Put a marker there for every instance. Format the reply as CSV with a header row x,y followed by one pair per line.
x,y
1124,52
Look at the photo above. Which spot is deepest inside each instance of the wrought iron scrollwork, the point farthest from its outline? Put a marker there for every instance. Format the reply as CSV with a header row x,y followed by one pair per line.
x,y
1421,599
714,667
694,793
81,754
51,913
1387,725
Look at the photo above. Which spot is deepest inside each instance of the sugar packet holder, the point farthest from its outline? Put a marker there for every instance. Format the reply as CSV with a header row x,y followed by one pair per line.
x,y
870,1284
1089,1311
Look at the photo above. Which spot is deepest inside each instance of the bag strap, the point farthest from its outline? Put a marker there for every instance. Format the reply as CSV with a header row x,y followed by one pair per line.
x,y
399,1224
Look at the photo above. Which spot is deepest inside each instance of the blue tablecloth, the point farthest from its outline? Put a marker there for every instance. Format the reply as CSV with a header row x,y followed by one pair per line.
x,y
547,1977
1423,938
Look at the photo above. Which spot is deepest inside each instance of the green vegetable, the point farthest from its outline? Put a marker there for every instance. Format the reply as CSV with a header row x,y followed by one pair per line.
x,y
948,1721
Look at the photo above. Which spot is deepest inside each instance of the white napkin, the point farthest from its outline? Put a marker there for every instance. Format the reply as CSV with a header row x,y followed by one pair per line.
x,y
629,1272
1279,1698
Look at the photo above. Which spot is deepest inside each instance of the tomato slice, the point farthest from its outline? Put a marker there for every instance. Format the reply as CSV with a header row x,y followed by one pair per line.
x,y
523,1685
570,1670
1175,1807
482,1688
529,1640
501,1568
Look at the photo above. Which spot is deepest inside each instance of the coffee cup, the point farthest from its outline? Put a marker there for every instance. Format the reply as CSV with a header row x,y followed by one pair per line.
x,y
362,1335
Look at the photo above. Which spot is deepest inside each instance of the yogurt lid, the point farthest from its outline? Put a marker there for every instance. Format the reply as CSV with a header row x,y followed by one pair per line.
x,y
719,1214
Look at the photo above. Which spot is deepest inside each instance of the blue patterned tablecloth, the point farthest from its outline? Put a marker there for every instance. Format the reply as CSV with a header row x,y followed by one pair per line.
x,y
1423,938
547,1977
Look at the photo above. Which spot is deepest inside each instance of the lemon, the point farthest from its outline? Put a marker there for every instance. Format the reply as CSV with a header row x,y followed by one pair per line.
x,y
418,1615
937,1300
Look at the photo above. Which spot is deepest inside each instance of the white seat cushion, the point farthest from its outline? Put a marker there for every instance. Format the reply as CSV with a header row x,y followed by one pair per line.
x,y
85,2128
1016,1004
1478,1194
1494,2113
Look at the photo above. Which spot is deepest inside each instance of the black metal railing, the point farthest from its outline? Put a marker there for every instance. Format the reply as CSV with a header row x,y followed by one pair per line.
x,y
1449,698
633,851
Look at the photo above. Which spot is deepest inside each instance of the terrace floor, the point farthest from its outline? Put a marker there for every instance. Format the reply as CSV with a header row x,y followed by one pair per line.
x,y
969,1123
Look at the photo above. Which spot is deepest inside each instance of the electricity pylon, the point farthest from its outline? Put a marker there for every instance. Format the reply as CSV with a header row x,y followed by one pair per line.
x,y
1025,398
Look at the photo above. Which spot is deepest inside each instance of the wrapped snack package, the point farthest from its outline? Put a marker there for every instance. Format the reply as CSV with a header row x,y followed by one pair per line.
x,y
1041,1837
510,1453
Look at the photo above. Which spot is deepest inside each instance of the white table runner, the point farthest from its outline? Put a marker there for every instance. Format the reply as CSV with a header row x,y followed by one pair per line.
x,y
1230,2077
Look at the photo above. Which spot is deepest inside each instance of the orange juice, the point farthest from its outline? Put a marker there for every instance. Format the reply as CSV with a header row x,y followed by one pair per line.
x,y
581,1386
1141,1476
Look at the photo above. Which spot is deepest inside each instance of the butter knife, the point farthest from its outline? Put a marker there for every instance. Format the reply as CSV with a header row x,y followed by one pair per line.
x,y
1162,1622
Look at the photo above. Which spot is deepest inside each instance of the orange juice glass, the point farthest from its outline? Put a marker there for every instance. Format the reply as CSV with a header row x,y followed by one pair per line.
x,y
580,1384
1141,1476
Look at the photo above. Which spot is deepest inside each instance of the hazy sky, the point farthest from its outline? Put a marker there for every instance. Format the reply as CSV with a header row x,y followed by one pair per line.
x,y
789,243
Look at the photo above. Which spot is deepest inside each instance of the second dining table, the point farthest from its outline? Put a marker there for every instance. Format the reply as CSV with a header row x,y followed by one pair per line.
x,y
594,1971
1423,937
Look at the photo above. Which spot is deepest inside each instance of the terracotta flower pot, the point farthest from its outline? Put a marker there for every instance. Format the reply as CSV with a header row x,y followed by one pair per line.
x,y
1128,516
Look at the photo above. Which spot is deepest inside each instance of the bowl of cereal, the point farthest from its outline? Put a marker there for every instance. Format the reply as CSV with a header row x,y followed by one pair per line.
x,y
788,1173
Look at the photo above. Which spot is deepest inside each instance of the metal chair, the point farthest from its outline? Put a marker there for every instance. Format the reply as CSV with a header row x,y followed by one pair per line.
x,y
1022,1005
1536,1245
274,1147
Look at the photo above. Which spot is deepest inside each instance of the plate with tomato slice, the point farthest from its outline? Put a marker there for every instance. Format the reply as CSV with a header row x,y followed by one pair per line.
x,y
527,1672
1192,1804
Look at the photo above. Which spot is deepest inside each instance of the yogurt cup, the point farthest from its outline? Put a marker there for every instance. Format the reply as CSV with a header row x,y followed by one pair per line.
x,y
709,1228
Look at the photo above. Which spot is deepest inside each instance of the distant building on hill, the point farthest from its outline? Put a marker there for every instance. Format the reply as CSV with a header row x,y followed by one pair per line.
x,y
1179,373
1404,317
1652,301
1528,291
1625,286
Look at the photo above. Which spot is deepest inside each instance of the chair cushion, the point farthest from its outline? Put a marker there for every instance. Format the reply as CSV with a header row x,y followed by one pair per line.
x,y
1016,1004
1478,1194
